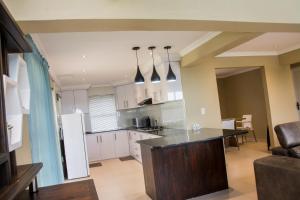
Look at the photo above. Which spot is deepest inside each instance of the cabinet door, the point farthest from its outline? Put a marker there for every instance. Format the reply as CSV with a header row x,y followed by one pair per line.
x,y
107,148
121,144
120,93
131,96
93,147
67,102
81,100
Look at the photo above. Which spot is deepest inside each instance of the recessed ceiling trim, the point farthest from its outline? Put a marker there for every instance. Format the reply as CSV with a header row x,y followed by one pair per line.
x,y
237,72
199,42
248,53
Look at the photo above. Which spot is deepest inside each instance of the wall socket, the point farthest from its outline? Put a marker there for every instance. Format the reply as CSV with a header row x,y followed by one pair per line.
x,y
203,111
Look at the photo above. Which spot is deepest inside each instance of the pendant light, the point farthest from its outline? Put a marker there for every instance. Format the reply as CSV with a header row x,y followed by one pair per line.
x,y
154,77
139,79
170,76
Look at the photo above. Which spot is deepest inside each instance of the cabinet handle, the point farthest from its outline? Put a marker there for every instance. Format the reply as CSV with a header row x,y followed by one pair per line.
x,y
101,138
97,139
115,136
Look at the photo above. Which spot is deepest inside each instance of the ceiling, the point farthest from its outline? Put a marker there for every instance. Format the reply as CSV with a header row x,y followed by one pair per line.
x,y
227,72
106,58
267,44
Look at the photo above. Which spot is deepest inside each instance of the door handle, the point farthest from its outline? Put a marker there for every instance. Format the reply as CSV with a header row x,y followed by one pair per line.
x,y
298,106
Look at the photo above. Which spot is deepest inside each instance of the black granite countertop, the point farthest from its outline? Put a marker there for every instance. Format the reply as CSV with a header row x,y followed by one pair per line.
x,y
172,137
154,131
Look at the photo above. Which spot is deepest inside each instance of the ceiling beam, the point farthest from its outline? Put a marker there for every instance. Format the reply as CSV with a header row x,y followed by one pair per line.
x,y
216,46
94,25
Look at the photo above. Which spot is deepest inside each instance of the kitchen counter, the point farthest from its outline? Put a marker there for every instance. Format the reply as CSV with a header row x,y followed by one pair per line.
x,y
173,137
184,164
154,131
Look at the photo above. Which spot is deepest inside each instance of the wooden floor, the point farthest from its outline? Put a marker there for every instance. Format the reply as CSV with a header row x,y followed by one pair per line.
x,y
117,180
81,190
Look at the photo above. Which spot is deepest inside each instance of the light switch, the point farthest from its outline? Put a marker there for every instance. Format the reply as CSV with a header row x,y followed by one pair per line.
x,y
203,111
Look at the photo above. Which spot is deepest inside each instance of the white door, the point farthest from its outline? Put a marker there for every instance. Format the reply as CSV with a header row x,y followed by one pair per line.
x,y
121,144
67,102
296,77
81,100
75,146
107,147
93,147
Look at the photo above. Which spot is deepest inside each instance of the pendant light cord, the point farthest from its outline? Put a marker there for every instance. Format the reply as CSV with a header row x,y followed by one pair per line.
x,y
137,59
168,56
152,56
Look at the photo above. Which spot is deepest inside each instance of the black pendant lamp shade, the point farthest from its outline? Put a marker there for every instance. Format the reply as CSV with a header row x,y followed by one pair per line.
x,y
139,79
154,77
171,75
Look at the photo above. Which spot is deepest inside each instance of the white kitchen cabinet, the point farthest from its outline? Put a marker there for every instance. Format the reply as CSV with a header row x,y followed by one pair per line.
x,y
107,146
93,147
74,100
126,97
67,101
81,100
121,144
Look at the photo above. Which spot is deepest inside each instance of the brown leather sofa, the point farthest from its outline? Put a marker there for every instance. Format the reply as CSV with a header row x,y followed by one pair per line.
x,y
277,178
289,138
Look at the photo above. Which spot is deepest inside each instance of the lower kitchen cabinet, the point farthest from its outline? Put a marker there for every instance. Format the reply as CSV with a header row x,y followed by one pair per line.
x,y
121,144
108,145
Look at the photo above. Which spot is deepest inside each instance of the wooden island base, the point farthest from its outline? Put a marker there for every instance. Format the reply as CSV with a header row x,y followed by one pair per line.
x,y
185,170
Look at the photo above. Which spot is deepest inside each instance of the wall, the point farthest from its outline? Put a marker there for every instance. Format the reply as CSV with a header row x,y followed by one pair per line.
x,y
244,94
168,115
200,90
93,91
23,154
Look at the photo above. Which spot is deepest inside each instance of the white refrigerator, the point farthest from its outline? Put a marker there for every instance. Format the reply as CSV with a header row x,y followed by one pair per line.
x,y
75,145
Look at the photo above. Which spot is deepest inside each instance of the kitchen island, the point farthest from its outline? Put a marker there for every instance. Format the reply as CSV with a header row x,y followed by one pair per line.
x,y
185,164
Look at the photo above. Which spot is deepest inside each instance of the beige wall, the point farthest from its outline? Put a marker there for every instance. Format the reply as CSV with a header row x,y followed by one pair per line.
x,y
101,91
200,90
244,94
23,154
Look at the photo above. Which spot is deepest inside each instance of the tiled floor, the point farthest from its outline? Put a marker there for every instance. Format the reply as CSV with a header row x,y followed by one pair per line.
x,y
117,180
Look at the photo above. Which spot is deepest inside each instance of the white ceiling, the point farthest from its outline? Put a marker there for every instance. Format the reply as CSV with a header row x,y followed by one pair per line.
x,y
109,59
267,44
227,72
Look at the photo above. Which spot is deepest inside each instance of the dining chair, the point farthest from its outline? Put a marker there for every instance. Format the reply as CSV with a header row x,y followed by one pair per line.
x,y
230,124
246,124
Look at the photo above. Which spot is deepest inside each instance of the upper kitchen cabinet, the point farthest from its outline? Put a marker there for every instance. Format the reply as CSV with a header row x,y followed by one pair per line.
x,y
74,101
126,97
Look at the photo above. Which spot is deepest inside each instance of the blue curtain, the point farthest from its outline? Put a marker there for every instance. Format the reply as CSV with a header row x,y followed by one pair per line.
x,y
44,140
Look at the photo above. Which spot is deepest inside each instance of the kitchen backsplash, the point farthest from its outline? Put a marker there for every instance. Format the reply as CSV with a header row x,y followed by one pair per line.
x,y
169,115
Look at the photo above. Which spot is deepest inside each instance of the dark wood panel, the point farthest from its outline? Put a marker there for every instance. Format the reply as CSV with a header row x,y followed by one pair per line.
x,y
16,42
184,171
25,175
81,190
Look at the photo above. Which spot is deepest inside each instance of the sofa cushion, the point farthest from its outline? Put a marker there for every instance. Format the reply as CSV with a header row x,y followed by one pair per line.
x,y
294,152
280,151
288,134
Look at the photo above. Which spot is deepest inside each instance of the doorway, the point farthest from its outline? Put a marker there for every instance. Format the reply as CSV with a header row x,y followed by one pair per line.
x,y
241,92
296,79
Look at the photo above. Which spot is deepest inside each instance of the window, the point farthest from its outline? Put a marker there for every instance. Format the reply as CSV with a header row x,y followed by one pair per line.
x,y
103,113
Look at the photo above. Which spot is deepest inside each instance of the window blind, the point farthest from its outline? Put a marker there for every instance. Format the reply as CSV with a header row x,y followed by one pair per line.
x,y
103,113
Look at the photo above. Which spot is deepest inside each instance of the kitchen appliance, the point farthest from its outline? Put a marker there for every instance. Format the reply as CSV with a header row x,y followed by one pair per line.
x,y
136,122
75,145
146,122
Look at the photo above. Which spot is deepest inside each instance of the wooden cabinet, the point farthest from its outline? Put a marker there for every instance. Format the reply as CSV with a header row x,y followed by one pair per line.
x,y
74,101
93,147
121,144
126,97
108,145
